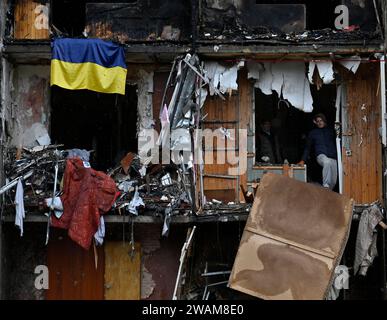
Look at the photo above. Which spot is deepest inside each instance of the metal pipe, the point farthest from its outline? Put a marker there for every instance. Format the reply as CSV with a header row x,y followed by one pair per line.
x,y
166,87
216,273
15,181
217,283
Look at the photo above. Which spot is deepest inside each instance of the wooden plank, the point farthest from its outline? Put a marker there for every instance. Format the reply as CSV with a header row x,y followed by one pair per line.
x,y
245,114
234,113
31,20
28,23
221,113
122,273
17,19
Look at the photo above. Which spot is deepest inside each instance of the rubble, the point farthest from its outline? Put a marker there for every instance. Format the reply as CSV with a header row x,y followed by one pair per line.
x,y
36,169
240,33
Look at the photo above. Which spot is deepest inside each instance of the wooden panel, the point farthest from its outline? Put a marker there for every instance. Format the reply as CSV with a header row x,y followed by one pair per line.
x,y
293,240
219,110
236,113
122,273
72,272
363,168
31,20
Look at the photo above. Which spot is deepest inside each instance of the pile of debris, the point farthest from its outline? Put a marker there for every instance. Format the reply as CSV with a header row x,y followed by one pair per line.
x,y
36,168
157,190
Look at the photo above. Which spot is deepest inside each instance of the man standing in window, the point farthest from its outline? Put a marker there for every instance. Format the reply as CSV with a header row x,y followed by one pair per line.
x,y
322,139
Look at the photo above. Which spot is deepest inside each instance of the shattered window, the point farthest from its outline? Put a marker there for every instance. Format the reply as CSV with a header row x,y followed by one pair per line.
x,y
281,129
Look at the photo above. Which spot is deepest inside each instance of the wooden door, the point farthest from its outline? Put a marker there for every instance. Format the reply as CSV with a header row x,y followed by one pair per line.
x,y
72,272
218,183
362,151
233,113
122,271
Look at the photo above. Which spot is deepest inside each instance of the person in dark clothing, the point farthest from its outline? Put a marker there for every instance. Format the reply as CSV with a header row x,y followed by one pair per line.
x,y
268,145
322,139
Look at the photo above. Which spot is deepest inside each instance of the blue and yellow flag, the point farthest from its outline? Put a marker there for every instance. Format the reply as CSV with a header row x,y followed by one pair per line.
x,y
92,64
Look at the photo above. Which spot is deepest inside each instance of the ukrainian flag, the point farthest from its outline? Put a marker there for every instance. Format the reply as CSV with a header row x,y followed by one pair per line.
x,y
91,64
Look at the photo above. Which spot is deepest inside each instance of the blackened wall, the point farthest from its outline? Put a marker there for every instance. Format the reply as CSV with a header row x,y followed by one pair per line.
x,y
21,256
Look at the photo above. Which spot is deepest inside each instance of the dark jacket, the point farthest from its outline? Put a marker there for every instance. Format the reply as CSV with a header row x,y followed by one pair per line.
x,y
323,141
268,146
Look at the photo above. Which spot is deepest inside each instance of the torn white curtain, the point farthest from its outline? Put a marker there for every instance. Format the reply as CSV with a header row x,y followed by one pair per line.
x,y
19,202
351,63
228,79
291,77
265,79
100,234
213,70
254,70
366,250
325,70
289,80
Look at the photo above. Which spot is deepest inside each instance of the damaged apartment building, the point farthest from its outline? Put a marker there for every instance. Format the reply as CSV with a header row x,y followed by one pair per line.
x,y
86,192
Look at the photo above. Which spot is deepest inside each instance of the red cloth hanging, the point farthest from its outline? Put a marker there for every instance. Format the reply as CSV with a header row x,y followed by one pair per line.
x,y
87,194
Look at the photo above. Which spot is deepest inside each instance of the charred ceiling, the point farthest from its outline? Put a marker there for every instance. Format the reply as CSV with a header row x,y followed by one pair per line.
x,y
125,20
296,21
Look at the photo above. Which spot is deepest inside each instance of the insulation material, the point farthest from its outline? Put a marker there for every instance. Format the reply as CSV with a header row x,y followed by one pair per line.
x,y
294,224
287,79
228,80
325,70
266,79
352,63
254,70
295,85
220,77
213,70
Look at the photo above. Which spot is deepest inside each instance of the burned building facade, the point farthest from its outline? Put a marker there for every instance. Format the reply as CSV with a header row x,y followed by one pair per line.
x,y
225,66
